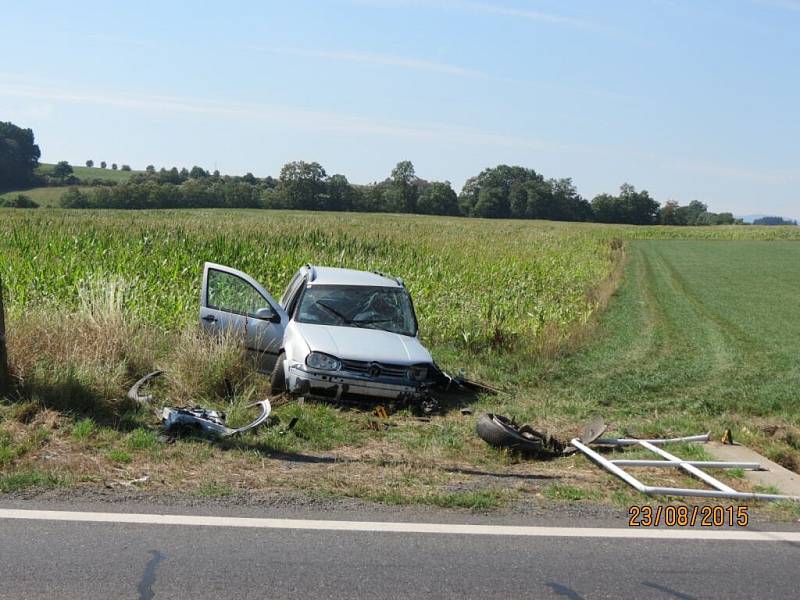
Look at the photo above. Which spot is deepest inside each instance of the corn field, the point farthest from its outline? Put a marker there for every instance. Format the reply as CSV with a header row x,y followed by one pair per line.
x,y
476,284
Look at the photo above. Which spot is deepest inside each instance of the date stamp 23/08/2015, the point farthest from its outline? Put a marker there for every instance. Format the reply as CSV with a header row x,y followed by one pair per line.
x,y
688,516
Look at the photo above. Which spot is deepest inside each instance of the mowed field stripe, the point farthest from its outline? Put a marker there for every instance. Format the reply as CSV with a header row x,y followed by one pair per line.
x,y
742,535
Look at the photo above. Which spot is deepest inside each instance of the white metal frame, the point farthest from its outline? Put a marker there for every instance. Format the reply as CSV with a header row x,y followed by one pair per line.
x,y
692,467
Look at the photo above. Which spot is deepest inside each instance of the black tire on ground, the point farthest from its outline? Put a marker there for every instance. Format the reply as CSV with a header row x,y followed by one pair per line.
x,y
498,431
277,380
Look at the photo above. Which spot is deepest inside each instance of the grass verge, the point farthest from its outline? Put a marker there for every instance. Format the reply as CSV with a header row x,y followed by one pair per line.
x,y
689,342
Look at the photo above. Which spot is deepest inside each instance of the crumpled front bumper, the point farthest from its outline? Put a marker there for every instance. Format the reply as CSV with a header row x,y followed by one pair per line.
x,y
302,381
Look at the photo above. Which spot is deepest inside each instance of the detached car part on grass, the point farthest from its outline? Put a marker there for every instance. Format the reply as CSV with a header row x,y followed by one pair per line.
x,y
197,418
502,432
210,421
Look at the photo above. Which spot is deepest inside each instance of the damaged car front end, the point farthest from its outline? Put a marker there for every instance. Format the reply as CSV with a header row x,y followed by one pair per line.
x,y
354,335
341,379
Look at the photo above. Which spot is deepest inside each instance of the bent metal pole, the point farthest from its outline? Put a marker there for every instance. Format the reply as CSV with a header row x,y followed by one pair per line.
x,y
721,490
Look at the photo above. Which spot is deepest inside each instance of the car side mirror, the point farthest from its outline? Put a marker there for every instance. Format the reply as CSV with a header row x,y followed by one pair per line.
x,y
267,314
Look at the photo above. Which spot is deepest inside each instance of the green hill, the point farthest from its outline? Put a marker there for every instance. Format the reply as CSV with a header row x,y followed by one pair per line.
x,y
45,197
86,173
48,196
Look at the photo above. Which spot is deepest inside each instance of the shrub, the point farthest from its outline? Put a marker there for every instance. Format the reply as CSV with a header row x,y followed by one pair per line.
x,y
73,198
19,201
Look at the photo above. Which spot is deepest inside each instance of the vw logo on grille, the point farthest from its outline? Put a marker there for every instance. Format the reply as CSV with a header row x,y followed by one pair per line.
x,y
374,370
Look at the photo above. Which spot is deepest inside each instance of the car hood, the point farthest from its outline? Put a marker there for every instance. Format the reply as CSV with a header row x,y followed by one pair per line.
x,y
354,343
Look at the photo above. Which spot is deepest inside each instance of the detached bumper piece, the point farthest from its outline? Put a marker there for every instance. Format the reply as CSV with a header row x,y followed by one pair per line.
x,y
209,421
200,419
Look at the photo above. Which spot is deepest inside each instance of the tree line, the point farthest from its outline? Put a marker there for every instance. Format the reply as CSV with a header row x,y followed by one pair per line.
x,y
774,221
506,192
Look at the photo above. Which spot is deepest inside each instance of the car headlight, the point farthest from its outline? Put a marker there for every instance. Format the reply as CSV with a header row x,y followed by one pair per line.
x,y
418,372
323,362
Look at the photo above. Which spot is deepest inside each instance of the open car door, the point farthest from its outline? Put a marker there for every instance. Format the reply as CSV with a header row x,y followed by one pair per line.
x,y
232,301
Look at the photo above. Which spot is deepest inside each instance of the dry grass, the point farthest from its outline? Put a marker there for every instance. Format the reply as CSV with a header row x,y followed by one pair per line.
x,y
79,360
201,367
97,334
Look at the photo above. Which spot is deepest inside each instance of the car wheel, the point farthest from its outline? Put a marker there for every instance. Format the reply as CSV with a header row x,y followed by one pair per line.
x,y
500,432
278,379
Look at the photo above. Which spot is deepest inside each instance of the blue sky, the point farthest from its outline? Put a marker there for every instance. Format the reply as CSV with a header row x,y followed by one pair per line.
x,y
689,99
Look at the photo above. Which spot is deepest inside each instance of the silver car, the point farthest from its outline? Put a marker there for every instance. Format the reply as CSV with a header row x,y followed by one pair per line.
x,y
335,333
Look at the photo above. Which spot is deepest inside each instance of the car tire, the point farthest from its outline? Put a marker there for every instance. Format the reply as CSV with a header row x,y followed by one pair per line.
x,y
499,431
277,380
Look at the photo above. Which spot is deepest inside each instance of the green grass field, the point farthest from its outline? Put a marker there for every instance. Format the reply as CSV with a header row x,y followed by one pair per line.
x,y
710,328
45,197
85,173
700,335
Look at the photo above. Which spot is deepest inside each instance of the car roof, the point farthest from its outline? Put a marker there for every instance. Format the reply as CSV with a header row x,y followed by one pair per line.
x,y
337,276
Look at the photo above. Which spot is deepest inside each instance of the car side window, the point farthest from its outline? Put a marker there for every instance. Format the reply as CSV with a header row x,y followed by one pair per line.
x,y
229,293
290,289
295,296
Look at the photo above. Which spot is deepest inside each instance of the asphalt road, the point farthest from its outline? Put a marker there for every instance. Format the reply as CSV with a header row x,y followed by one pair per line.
x,y
72,559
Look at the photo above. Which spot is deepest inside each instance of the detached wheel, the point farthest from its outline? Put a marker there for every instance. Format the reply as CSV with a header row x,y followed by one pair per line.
x,y
499,431
277,380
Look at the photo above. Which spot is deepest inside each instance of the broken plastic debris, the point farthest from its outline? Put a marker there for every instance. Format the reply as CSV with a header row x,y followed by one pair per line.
x,y
210,421
205,419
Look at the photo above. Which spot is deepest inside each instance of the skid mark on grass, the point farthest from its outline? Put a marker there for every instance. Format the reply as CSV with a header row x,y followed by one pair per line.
x,y
721,344
690,328
636,339
654,374
687,349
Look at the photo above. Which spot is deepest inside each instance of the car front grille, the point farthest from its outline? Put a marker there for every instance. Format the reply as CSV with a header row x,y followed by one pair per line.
x,y
374,369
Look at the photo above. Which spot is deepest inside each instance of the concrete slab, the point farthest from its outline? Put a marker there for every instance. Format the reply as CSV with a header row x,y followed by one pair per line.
x,y
788,482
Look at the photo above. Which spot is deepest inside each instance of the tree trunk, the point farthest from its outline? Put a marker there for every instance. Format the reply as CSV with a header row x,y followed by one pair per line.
x,y
5,378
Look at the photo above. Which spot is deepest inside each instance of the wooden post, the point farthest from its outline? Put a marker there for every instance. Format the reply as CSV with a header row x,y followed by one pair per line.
x,y
5,377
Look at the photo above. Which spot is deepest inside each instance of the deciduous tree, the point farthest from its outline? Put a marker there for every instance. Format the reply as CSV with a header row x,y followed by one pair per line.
x,y
303,184
62,170
438,198
19,156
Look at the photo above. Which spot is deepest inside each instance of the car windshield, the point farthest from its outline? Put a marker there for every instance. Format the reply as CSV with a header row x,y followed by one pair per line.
x,y
385,308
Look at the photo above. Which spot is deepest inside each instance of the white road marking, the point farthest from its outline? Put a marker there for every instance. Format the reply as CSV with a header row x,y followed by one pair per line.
x,y
741,535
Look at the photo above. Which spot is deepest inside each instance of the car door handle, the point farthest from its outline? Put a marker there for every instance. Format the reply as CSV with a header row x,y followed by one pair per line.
x,y
210,319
